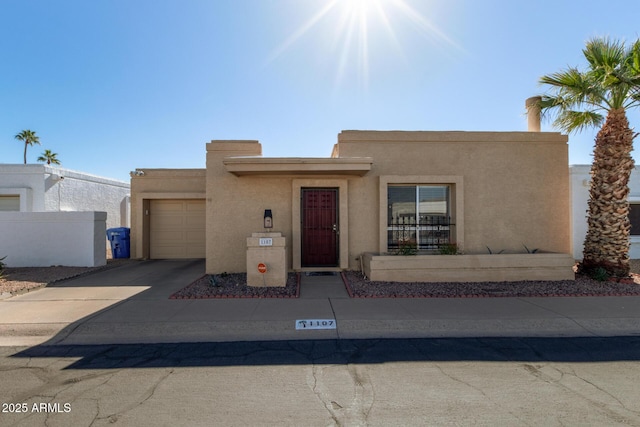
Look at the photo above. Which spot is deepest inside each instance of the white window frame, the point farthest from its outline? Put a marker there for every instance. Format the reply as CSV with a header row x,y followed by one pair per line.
x,y
23,193
11,197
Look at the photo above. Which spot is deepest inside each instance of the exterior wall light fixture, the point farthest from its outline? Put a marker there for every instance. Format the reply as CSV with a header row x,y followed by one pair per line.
x,y
268,218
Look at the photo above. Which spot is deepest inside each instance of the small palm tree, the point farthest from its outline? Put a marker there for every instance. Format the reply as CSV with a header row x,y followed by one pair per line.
x,y
610,86
29,137
49,157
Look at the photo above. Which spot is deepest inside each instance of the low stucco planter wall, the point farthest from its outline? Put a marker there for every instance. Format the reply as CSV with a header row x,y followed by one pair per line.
x,y
468,268
43,239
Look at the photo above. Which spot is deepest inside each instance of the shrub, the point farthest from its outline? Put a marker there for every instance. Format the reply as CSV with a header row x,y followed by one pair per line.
x,y
600,274
407,247
448,249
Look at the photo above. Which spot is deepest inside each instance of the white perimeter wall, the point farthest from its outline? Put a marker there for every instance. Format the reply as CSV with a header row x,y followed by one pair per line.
x,y
43,239
580,179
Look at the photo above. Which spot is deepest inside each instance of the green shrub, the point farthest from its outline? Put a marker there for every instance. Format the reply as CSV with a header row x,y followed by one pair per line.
x,y
449,249
600,274
2,266
407,247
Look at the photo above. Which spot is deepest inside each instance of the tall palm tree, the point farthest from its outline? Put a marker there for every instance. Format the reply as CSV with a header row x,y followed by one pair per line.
x,y
600,96
49,157
29,137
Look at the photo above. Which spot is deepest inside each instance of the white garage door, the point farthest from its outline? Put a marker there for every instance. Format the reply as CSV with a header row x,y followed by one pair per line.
x,y
177,229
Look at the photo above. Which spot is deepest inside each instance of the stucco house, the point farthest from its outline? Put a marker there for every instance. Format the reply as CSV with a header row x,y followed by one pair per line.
x,y
580,181
56,216
496,195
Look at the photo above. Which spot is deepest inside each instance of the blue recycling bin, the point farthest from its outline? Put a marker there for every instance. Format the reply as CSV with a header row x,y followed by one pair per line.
x,y
120,241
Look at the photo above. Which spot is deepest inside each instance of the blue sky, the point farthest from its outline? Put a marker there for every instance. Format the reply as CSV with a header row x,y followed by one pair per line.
x,y
111,85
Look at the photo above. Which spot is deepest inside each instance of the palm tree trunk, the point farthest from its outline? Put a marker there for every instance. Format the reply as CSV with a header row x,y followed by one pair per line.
x,y
607,242
25,152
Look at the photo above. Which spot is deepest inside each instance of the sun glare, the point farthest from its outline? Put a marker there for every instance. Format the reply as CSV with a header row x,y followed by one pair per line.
x,y
358,7
352,25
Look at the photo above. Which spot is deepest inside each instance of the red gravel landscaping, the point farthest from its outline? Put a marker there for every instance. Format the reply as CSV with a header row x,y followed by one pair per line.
x,y
360,287
234,286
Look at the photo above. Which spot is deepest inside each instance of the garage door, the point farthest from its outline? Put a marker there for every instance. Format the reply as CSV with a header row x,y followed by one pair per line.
x,y
177,229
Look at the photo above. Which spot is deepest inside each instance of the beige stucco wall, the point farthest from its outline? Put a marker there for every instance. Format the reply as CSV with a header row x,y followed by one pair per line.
x,y
236,205
509,189
159,184
515,184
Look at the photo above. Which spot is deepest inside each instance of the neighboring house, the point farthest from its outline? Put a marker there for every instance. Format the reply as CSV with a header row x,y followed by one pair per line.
x,y
379,192
44,188
42,209
580,181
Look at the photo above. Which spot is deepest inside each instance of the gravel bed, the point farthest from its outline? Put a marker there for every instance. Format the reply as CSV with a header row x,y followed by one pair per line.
x,y
19,280
235,286
582,286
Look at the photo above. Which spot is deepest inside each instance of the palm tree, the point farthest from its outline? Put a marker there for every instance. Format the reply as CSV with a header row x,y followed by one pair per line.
x,y
579,99
29,137
49,157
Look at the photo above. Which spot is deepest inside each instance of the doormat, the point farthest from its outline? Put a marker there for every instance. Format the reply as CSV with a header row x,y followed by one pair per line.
x,y
221,286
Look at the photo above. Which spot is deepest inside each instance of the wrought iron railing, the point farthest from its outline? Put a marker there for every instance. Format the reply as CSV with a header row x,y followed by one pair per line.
x,y
430,232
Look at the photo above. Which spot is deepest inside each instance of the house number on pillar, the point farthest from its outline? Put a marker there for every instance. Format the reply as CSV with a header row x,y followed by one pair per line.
x,y
265,241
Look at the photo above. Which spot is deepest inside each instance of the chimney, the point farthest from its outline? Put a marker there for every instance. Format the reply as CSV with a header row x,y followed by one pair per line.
x,y
533,113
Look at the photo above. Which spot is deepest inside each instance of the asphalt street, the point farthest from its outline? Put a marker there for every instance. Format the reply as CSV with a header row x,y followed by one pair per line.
x,y
442,381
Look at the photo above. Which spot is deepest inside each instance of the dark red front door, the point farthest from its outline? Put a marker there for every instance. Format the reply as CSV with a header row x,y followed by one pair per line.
x,y
319,227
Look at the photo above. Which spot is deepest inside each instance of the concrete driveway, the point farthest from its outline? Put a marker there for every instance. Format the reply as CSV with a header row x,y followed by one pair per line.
x,y
130,304
55,311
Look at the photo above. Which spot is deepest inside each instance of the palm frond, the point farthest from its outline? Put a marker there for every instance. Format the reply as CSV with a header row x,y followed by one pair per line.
x,y
49,157
612,80
603,53
574,87
577,121
569,78
633,57
28,137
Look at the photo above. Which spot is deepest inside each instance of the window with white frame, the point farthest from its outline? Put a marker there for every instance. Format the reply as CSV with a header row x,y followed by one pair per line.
x,y
419,216
9,203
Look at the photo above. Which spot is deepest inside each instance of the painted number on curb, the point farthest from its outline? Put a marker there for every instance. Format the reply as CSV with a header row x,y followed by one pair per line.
x,y
315,324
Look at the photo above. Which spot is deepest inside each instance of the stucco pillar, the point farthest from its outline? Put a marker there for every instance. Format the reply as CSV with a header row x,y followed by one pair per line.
x,y
267,250
533,113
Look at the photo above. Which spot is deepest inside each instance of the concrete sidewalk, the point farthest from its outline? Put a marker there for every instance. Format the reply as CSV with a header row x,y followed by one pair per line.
x,y
130,304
